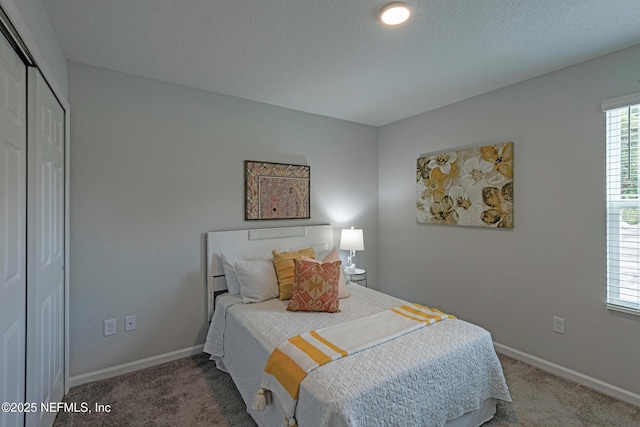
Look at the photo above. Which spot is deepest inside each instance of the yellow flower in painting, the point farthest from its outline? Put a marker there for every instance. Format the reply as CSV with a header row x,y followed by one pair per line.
x,y
501,155
443,162
437,185
501,203
432,183
443,212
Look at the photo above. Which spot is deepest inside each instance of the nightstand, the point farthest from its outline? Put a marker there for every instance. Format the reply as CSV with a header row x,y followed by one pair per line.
x,y
359,276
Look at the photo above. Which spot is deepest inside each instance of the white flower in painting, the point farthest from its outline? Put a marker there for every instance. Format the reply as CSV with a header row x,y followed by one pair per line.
x,y
422,213
423,199
477,172
468,204
443,162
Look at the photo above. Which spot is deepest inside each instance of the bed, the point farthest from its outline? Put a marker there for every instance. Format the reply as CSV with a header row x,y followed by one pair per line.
x,y
445,374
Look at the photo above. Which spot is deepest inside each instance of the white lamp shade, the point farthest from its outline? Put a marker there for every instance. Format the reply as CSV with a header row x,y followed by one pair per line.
x,y
351,239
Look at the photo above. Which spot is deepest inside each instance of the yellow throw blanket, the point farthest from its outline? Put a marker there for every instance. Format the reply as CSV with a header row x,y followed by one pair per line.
x,y
290,363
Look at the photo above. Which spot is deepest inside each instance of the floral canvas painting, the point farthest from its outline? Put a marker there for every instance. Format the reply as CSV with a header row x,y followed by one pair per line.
x,y
471,186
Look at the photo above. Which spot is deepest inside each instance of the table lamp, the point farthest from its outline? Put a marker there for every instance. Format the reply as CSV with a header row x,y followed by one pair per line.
x,y
351,240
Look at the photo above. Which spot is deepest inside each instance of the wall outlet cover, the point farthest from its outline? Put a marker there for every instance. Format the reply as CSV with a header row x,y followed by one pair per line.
x,y
558,324
110,327
129,323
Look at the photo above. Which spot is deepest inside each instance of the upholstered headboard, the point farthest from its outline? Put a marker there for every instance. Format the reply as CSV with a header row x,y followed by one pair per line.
x,y
257,241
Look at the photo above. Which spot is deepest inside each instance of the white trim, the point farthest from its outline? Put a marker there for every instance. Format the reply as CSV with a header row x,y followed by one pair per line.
x,y
623,101
621,309
136,365
561,371
67,244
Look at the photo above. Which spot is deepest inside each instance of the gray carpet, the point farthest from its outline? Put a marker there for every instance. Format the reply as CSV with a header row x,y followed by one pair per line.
x,y
192,392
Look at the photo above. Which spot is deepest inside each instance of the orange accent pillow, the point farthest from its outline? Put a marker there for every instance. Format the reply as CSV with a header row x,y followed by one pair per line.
x,y
316,286
283,262
342,283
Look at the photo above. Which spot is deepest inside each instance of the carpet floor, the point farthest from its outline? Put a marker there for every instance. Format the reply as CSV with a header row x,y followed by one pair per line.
x,y
192,392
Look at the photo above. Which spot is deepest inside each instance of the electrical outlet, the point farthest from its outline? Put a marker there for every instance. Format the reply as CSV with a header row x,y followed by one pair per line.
x,y
129,323
109,327
558,325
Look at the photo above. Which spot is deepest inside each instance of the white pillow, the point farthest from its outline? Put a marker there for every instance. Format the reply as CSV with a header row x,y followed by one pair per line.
x,y
233,286
322,253
258,280
322,248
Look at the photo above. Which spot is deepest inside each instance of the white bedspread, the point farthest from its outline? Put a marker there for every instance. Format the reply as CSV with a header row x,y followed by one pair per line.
x,y
423,378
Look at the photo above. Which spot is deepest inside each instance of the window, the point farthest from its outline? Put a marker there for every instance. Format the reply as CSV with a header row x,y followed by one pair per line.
x,y
623,203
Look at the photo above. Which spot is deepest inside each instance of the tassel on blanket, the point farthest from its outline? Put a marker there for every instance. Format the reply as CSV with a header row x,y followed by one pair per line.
x,y
259,402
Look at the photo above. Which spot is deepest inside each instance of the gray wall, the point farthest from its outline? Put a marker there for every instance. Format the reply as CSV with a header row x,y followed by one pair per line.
x,y
553,261
156,165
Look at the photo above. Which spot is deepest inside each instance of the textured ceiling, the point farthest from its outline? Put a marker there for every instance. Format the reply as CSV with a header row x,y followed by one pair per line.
x,y
332,57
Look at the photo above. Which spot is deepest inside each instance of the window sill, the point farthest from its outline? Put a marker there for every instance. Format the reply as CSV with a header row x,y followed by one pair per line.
x,y
623,309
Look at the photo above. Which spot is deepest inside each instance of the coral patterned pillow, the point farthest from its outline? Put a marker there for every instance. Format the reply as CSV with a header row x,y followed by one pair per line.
x,y
342,283
315,286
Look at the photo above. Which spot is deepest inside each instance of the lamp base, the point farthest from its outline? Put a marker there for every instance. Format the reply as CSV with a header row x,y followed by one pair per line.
x,y
351,268
350,264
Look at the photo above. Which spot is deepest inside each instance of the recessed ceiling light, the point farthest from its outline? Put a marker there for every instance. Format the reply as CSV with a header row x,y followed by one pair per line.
x,y
395,13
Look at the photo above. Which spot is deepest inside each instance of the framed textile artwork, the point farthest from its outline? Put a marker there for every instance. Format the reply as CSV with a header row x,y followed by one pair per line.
x,y
470,186
276,191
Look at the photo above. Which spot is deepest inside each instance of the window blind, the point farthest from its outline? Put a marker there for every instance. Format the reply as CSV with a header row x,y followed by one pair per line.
x,y
623,203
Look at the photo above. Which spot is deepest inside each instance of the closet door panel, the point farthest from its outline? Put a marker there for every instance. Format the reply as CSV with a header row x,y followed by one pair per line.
x,y
45,326
13,214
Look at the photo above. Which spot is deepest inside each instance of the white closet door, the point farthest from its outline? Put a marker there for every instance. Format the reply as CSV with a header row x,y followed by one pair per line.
x,y
45,293
13,213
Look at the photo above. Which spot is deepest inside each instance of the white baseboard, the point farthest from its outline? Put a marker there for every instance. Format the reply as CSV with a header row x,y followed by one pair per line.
x,y
135,365
561,371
